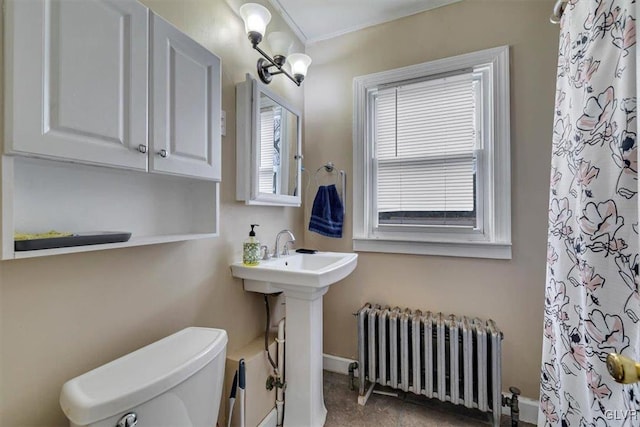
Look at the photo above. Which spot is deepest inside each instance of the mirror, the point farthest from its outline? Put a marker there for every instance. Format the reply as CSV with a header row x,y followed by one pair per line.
x,y
268,147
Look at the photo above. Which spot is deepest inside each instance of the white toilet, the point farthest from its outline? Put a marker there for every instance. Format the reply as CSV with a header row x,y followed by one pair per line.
x,y
176,381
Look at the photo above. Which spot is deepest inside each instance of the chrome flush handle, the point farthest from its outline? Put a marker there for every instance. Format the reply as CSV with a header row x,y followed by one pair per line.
x,y
128,420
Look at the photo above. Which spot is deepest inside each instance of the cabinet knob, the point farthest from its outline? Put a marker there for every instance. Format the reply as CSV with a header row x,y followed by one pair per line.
x,y
163,153
142,148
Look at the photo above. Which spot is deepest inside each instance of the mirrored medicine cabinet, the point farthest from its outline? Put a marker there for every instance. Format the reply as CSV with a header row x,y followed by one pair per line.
x,y
268,147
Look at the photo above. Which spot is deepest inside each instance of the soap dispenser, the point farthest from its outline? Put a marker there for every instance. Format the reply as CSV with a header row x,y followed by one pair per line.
x,y
251,249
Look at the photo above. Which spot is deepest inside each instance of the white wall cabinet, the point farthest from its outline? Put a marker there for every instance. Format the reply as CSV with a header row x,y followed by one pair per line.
x,y
107,83
185,118
78,82
79,90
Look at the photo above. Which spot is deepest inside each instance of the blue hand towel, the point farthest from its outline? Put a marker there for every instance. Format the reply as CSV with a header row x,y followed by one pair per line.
x,y
327,213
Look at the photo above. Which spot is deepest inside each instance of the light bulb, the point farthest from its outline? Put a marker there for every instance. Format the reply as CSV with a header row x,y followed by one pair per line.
x,y
299,63
256,18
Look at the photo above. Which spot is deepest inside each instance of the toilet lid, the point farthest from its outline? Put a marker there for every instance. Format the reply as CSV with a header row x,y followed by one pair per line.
x,y
140,376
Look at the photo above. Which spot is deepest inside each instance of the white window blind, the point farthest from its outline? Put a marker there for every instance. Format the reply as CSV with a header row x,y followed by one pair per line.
x,y
266,151
425,136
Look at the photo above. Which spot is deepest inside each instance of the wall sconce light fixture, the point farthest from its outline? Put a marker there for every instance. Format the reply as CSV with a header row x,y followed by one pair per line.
x,y
256,18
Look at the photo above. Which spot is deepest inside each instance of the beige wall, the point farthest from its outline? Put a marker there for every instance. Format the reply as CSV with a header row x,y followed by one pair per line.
x,y
63,315
510,292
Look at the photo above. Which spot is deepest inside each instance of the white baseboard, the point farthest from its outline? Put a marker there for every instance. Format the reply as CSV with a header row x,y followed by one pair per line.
x,y
337,364
528,407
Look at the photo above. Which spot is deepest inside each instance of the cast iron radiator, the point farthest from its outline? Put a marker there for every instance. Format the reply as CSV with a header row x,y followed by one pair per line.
x,y
450,358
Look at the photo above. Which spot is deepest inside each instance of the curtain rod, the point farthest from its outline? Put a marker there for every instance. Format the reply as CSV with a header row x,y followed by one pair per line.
x,y
558,9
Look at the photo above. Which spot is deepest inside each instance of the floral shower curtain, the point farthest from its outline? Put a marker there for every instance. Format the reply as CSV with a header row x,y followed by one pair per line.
x,y
592,304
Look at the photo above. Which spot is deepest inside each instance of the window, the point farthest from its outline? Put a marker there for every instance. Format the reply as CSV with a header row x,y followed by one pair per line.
x,y
431,158
424,138
269,149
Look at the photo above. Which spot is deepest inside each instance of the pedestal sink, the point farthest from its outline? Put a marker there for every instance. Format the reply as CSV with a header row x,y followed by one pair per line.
x,y
304,279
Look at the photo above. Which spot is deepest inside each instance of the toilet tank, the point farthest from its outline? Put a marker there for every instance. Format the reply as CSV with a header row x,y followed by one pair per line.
x,y
176,381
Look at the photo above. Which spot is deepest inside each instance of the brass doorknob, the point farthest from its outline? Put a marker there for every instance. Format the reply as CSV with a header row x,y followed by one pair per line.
x,y
623,369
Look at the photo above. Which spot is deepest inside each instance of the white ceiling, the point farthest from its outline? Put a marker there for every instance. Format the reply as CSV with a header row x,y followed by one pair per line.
x,y
314,20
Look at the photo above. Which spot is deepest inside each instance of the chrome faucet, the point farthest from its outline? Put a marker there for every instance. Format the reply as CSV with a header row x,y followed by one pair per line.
x,y
285,250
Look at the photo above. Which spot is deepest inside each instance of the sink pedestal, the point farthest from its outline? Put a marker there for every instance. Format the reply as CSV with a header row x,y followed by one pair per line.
x,y
304,401
304,279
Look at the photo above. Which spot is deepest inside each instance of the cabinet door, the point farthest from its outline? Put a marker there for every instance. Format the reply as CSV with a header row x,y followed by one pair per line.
x,y
185,105
77,78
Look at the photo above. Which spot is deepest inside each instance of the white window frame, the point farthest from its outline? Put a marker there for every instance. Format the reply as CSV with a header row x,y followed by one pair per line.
x,y
490,240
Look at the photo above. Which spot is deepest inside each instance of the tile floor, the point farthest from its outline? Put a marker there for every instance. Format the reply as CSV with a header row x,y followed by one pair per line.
x,y
407,410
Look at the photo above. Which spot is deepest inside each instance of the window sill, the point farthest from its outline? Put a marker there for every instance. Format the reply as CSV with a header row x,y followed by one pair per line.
x,y
455,249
